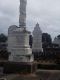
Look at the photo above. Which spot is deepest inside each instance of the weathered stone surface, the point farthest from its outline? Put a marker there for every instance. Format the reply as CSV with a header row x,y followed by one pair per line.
x,y
18,45
22,17
37,39
18,38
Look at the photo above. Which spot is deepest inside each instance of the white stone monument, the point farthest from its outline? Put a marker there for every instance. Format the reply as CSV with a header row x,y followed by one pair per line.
x,y
18,38
22,17
37,39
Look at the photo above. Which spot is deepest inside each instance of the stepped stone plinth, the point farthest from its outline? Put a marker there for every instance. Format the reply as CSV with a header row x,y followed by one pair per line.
x,y
18,38
18,45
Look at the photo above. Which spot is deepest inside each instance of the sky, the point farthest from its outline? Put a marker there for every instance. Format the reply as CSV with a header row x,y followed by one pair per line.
x,y
45,12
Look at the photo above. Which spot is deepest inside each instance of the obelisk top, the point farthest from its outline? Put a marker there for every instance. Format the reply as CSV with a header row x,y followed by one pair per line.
x,y
22,16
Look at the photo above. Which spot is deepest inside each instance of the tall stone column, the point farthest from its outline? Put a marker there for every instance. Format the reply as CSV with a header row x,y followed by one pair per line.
x,y
22,10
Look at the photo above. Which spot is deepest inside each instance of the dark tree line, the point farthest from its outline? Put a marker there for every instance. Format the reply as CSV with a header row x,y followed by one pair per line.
x,y
3,38
46,39
3,47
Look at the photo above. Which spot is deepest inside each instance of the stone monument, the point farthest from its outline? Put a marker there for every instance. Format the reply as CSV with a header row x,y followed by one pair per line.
x,y
18,38
22,17
37,39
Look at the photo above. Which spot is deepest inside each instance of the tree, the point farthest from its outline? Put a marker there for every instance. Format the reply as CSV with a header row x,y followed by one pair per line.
x,y
4,54
46,39
3,47
58,36
3,38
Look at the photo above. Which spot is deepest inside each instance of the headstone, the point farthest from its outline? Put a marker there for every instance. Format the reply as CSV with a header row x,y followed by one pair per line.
x,y
37,39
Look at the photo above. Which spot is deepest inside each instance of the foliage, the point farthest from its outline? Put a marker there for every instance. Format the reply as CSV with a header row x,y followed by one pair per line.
x,y
46,39
4,54
3,47
58,36
3,38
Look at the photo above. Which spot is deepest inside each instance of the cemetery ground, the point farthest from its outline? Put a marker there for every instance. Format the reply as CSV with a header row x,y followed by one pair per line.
x,y
39,75
42,73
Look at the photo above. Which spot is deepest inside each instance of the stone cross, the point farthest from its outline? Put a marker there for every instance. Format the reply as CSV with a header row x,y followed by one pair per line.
x,y
22,10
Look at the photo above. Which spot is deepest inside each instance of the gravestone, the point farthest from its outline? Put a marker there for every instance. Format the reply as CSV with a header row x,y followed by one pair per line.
x,y
37,39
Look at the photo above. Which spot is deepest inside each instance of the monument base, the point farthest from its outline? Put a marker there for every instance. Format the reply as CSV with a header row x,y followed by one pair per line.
x,y
18,45
21,55
20,68
21,58
37,55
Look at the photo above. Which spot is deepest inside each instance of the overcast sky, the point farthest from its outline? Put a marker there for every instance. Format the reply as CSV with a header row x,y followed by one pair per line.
x,y
46,12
